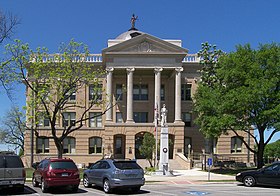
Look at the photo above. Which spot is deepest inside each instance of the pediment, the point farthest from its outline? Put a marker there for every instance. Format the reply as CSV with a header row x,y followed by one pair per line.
x,y
145,43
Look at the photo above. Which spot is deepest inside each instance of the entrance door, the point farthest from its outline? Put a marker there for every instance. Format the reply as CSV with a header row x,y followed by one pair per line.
x,y
119,146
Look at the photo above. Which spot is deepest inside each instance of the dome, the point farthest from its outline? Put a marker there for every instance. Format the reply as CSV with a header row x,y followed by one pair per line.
x,y
129,34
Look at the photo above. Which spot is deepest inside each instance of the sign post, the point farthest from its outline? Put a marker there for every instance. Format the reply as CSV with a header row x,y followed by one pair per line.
x,y
209,163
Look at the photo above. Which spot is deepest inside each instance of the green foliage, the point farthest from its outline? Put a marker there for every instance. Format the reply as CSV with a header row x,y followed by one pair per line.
x,y
272,149
147,149
244,94
52,80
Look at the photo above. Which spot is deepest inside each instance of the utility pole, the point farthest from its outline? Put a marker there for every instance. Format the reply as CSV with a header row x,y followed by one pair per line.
x,y
156,130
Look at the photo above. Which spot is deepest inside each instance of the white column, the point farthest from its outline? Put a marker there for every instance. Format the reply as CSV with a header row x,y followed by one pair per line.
x,y
157,89
129,106
109,94
178,94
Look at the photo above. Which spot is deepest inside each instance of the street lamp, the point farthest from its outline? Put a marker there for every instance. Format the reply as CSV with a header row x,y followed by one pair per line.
x,y
189,151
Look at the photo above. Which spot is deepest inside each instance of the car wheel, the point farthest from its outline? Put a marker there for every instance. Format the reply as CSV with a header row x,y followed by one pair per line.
x,y
86,182
106,186
34,182
249,181
136,189
44,186
75,188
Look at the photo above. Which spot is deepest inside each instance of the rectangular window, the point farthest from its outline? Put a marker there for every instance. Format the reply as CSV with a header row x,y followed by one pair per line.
x,y
140,92
119,118
72,96
69,119
95,145
95,119
119,92
43,120
162,93
186,92
140,117
187,119
69,145
95,92
236,145
42,145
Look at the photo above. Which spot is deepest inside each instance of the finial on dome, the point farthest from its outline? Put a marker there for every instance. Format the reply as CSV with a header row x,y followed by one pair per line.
x,y
132,21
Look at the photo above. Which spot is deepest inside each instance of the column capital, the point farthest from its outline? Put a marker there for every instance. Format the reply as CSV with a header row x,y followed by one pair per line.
x,y
158,69
109,69
179,69
130,69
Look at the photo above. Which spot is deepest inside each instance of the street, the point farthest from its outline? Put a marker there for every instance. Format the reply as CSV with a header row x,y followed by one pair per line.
x,y
217,189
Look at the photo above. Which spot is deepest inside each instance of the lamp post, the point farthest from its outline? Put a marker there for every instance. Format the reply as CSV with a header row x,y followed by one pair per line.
x,y
189,151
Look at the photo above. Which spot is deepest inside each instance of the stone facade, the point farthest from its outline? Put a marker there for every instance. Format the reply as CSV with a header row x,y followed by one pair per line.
x,y
153,72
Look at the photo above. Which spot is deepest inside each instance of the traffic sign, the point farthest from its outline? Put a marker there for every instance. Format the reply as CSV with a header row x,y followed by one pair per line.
x,y
209,161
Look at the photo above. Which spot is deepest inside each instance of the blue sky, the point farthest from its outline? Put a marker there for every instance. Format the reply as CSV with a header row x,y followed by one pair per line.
x,y
225,23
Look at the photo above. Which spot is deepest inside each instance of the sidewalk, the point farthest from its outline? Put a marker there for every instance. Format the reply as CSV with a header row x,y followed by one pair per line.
x,y
193,176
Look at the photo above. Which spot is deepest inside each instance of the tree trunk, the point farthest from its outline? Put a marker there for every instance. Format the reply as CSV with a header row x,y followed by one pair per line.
x,y
59,147
260,162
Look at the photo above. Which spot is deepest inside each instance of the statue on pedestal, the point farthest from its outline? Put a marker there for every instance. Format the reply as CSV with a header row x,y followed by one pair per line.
x,y
163,115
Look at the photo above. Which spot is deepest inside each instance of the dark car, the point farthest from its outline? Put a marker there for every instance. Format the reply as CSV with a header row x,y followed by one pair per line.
x,y
55,172
110,174
269,175
12,172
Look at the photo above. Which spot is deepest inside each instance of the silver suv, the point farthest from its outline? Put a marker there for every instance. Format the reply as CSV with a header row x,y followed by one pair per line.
x,y
110,174
12,172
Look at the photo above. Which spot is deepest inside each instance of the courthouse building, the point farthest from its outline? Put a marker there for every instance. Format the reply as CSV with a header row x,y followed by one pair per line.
x,y
154,72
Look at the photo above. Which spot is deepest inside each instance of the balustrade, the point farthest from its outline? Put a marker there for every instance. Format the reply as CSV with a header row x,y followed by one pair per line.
x,y
93,58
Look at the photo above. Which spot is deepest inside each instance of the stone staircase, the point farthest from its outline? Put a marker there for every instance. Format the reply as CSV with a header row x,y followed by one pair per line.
x,y
180,162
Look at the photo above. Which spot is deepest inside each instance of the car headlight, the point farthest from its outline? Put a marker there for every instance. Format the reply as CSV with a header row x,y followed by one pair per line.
x,y
238,174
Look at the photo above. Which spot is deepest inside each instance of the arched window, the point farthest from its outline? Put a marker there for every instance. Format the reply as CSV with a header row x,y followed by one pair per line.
x,y
69,145
95,145
236,144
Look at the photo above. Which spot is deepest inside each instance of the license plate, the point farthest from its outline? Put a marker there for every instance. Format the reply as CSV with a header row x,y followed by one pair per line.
x,y
64,174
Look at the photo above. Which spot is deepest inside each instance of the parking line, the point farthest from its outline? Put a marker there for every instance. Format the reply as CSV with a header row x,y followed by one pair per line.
x,y
158,192
97,193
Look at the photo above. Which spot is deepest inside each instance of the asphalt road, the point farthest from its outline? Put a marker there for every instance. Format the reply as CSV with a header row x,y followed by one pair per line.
x,y
217,189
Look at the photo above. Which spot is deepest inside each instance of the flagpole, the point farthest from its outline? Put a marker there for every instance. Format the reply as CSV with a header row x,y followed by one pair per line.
x,y
156,129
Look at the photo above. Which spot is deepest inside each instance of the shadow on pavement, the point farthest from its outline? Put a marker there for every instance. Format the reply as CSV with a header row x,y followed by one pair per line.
x,y
15,191
123,191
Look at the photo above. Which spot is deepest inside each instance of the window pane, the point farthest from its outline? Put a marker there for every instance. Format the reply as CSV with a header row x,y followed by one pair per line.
x,y
119,92
119,118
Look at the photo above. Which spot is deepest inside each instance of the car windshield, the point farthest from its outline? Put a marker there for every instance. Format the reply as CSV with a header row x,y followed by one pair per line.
x,y
126,165
63,165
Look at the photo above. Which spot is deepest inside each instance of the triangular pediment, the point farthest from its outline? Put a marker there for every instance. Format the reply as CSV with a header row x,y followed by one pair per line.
x,y
145,43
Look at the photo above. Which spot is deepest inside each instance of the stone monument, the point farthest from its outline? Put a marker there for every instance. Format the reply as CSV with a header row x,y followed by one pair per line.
x,y
164,148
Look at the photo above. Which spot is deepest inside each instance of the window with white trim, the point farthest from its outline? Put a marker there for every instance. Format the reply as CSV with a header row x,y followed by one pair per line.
x,y
95,119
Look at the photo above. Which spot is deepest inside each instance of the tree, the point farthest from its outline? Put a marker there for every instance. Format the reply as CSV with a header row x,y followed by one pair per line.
x,y
272,150
147,149
245,95
52,81
8,23
12,131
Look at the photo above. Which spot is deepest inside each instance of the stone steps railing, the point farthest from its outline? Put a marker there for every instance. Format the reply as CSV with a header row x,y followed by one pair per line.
x,y
93,58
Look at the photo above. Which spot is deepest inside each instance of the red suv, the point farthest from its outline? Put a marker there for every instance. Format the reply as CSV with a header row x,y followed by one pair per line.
x,y
54,172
